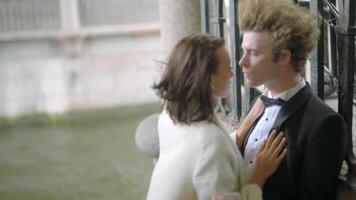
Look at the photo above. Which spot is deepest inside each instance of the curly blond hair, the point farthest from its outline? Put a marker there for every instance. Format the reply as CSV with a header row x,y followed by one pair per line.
x,y
289,25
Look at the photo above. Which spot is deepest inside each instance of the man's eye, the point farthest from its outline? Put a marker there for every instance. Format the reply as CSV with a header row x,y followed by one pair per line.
x,y
249,52
254,53
246,52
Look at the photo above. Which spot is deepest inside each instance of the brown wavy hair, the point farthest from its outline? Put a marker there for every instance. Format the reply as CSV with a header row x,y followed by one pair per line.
x,y
289,26
185,85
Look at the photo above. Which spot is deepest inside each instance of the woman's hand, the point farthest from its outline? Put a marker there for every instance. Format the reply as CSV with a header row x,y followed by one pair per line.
x,y
269,156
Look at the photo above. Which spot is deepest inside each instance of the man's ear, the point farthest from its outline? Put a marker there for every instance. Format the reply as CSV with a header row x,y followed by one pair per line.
x,y
285,56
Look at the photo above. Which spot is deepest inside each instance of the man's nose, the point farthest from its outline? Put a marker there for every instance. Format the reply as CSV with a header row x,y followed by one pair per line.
x,y
242,61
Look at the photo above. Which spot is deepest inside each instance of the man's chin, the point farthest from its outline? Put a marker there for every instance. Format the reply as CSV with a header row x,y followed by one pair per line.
x,y
252,84
257,86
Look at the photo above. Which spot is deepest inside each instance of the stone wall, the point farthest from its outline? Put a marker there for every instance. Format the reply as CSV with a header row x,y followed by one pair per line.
x,y
93,66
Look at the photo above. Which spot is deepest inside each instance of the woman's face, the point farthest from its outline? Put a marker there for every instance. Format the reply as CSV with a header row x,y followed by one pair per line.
x,y
220,80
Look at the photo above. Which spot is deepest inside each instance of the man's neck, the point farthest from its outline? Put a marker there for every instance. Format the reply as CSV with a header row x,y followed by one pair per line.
x,y
283,84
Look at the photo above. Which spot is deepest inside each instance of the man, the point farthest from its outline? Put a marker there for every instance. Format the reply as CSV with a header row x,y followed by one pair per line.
x,y
277,38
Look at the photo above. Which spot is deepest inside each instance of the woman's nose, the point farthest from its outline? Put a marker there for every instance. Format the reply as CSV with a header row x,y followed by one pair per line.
x,y
231,73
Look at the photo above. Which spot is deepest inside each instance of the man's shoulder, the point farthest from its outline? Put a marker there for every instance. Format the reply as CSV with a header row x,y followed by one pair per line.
x,y
317,105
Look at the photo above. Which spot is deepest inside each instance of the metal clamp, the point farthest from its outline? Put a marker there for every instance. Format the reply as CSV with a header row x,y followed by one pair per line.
x,y
217,20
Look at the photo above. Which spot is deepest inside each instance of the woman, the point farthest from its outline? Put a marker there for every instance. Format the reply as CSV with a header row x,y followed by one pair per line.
x,y
197,158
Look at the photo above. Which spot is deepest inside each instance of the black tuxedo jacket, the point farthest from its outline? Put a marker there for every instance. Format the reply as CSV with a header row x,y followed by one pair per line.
x,y
316,147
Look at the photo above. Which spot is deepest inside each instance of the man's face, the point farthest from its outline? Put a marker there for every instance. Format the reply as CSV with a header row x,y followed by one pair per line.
x,y
257,61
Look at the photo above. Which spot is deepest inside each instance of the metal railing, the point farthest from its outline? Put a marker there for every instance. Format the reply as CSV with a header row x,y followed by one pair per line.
x,y
114,12
20,15
40,19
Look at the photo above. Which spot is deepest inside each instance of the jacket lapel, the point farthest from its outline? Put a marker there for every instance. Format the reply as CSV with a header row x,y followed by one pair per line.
x,y
248,129
291,106
248,134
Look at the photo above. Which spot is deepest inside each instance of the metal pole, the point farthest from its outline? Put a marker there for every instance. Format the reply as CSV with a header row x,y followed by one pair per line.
x,y
332,35
218,17
235,56
317,56
204,12
346,52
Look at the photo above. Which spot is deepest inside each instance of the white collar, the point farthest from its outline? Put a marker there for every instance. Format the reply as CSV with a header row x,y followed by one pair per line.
x,y
289,93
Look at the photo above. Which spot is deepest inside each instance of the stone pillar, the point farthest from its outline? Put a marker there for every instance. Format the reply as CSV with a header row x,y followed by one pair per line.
x,y
177,20
71,42
71,39
69,14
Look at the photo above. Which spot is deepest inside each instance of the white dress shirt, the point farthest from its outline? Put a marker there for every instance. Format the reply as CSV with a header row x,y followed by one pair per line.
x,y
264,125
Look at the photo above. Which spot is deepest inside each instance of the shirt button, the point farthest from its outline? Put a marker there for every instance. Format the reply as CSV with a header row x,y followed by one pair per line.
x,y
256,139
251,162
266,119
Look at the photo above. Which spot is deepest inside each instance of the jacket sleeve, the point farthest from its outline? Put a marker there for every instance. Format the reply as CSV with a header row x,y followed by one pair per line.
x,y
216,171
324,152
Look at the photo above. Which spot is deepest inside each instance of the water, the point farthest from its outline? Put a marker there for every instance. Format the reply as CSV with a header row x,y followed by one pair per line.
x,y
88,155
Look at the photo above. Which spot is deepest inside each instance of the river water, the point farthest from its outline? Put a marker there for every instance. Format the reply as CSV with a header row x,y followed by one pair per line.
x,y
87,155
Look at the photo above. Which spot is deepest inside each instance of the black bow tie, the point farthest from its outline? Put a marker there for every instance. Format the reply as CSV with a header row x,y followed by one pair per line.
x,y
270,102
